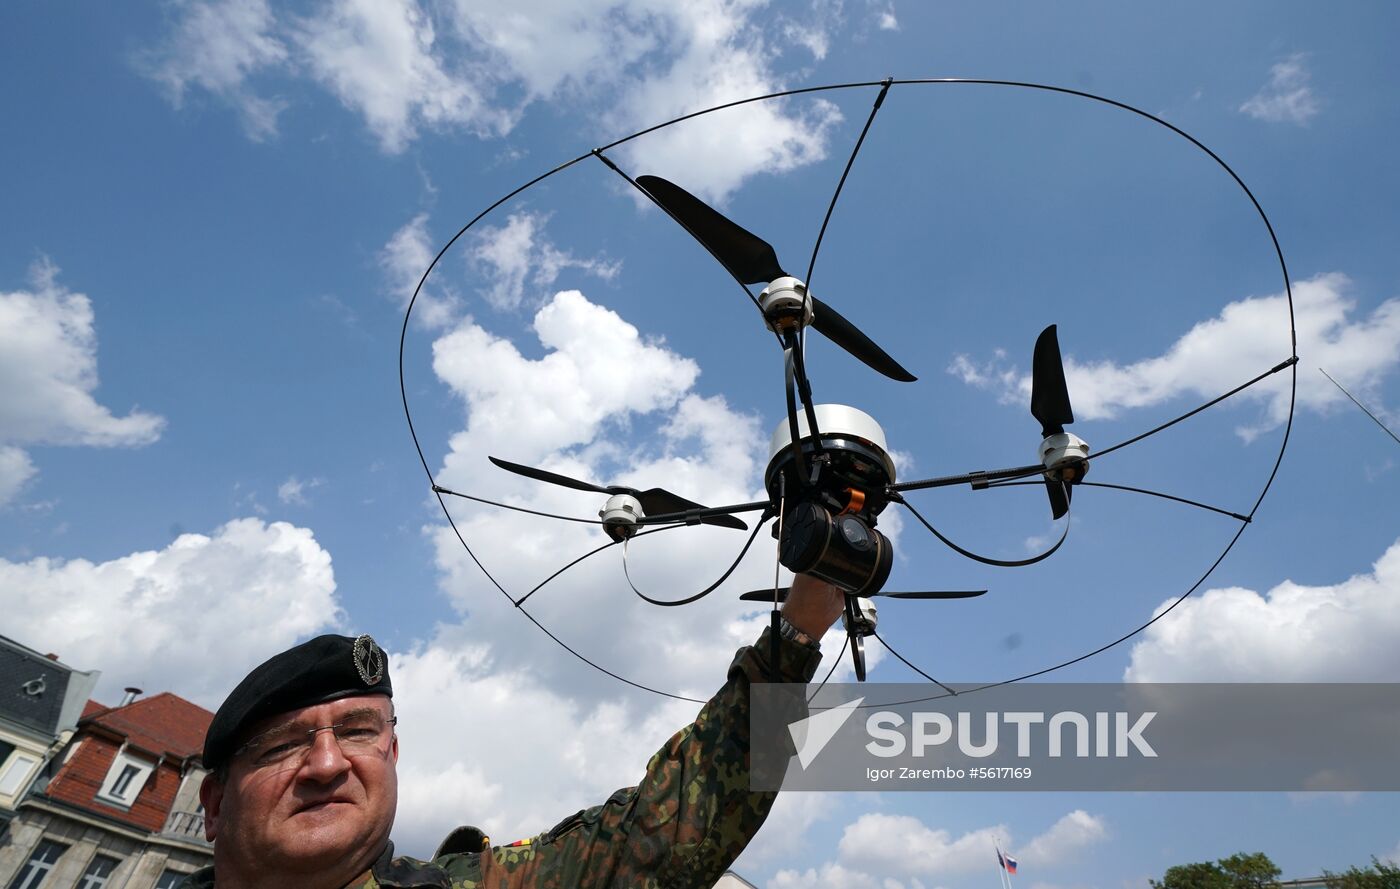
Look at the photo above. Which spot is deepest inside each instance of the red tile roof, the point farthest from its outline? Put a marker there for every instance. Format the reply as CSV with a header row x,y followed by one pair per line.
x,y
161,724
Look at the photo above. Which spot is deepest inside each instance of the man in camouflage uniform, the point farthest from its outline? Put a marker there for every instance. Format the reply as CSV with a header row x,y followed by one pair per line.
x,y
303,788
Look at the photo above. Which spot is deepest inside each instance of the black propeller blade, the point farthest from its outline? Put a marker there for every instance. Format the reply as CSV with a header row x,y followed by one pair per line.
x,y
1050,405
843,333
654,501
749,257
753,261
1049,393
767,595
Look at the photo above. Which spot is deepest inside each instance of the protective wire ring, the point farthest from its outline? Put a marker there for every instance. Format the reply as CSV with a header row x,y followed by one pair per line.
x,y
884,86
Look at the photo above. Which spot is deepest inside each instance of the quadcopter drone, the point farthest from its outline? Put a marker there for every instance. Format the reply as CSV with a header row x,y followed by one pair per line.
x,y
829,474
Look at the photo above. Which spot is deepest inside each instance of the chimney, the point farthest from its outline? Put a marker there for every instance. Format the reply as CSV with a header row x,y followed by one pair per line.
x,y
131,693
51,656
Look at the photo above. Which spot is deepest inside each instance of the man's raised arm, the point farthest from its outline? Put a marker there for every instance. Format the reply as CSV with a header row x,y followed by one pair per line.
x,y
692,813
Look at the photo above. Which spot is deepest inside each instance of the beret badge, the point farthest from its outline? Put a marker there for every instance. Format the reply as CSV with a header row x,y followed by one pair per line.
x,y
369,659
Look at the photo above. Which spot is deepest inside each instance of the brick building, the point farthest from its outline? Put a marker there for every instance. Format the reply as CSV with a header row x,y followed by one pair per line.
x,y
118,808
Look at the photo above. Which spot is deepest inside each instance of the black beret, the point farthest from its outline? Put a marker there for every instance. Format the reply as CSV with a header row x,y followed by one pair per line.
x,y
323,669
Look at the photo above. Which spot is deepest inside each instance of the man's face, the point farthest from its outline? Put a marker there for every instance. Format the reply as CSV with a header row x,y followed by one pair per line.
x,y
317,808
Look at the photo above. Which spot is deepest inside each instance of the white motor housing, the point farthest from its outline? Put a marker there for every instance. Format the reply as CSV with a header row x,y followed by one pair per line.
x,y
866,618
1065,456
852,438
620,515
785,304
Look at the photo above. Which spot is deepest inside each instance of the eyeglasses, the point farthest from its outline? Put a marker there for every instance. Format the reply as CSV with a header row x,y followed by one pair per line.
x,y
358,734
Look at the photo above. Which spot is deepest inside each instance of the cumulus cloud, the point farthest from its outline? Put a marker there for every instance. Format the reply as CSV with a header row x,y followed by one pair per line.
x,y
604,405
381,58
217,46
1287,97
1342,632
406,66
518,252
148,618
48,377
892,851
1248,337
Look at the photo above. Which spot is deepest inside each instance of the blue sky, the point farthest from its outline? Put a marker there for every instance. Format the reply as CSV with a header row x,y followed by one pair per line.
x,y
214,213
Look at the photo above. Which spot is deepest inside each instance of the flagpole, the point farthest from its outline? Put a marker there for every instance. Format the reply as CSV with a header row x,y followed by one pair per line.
x,y
1003,879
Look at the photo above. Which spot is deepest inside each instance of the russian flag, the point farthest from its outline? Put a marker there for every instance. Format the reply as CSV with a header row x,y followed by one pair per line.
x,y
1007,862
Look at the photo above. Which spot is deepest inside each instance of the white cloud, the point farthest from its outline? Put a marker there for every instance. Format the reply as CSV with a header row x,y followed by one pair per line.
x,y
217,46
519,252
48,375
885,851
722,58
1343,632
641,62
597,366
379,58
148,618
1065,838
15,469
1287,97
293,490
525,775
568,48
477,66
403,260
1248,337
885,19
833,874
902,846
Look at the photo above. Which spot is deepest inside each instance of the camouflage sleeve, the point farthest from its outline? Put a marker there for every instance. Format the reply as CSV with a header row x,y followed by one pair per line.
x,y
688,819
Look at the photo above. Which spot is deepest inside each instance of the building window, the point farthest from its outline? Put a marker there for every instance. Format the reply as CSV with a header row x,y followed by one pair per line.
x,y
98,870
124,780
16,767
41,861
122,785
169,879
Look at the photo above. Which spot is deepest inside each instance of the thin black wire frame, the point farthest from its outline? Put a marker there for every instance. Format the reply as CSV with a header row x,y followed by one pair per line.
x,y
884,86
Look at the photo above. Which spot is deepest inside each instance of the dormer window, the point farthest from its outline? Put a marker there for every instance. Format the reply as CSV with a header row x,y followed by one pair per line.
x,y
124,780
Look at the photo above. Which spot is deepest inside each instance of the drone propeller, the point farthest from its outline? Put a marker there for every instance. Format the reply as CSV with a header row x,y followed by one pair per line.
x,y
1050,406
753,261
767,595
654,501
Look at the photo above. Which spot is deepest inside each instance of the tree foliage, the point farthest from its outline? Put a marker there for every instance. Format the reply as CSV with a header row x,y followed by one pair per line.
x,y
1239,871
1379,875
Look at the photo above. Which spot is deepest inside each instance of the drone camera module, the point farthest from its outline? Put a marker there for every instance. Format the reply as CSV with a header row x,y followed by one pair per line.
x,y
845,550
